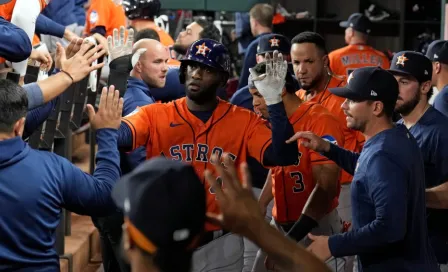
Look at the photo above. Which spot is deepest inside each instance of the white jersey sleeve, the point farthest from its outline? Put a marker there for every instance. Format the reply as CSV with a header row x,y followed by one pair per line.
x,y
24,16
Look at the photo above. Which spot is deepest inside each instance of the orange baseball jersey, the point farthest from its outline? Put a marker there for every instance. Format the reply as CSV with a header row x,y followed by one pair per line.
x,y
171,130
292,185
353,140
346,59
104,13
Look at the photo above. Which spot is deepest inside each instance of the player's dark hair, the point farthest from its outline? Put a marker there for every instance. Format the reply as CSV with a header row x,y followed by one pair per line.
x,y
209,30
388,108
290,85
147,33
311,37
13,104
263,14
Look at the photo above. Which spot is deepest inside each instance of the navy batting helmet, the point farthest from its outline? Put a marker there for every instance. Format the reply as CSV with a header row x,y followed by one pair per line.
x,y
141,9
207,52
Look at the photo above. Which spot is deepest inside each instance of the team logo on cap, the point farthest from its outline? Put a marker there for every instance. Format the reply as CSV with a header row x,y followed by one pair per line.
x,y
401,59
274,42
202,49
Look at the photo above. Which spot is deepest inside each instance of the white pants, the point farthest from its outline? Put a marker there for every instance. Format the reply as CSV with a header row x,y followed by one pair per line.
x,y
251,249
330,224
224,254
345,211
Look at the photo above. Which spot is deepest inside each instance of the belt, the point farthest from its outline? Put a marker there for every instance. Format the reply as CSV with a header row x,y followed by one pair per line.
x,y
210,236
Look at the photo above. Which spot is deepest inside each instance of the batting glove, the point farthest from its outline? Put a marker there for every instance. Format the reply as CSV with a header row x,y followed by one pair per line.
x,y
270,85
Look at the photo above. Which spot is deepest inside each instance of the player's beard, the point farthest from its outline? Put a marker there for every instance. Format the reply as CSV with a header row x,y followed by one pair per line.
x,y
313,84
205,95
407,107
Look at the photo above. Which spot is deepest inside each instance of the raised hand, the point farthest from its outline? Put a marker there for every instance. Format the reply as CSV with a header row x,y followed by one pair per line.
x,y
270,85
109,110
79,66
240,210
117,45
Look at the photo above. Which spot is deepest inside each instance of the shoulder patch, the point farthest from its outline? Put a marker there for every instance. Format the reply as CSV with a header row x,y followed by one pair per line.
x,y
330,139
93,17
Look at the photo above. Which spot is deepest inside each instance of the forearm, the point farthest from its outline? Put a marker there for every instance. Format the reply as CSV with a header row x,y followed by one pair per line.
x,y
344,158
34,95
54,86
45,25
283,250
279,153
319,202
437,197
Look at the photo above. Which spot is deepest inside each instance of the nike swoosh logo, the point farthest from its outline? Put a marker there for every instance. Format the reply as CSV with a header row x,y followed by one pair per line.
x,y
175,125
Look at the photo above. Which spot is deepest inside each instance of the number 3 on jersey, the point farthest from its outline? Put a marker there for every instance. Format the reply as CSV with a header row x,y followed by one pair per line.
x,y
298,180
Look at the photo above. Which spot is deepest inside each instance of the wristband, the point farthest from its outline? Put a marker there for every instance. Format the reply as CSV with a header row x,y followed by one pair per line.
x,y
68,75
302,227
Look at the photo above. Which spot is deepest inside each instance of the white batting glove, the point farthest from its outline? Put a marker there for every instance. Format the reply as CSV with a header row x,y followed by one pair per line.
x,y
270,85
118,46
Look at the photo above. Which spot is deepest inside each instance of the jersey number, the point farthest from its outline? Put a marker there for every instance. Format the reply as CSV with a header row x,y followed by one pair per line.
x,y
298,180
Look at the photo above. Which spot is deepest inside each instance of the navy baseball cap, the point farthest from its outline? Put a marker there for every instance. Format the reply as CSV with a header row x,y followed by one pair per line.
x,y
413,64
271,42
438,51
358,22
164,206
369,83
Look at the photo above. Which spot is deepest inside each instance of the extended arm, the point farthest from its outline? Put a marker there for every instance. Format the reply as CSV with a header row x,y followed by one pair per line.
x,y
387,187
346,159
280,152
91,195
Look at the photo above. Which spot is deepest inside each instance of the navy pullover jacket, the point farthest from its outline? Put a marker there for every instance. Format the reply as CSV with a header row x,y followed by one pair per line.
x,y
388,205
35,186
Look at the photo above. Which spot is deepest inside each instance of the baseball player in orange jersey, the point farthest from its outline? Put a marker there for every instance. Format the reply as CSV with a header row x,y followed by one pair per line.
x,y
310,62
357,53
306,194
191,129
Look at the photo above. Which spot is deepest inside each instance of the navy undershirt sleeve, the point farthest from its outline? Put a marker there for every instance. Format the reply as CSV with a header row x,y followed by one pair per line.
x,y
279,153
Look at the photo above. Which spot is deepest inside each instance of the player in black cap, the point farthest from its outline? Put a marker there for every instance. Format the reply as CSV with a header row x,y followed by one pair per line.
x,y
164,207
413,72
267,44
389,229
429,127
358,22
438,54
